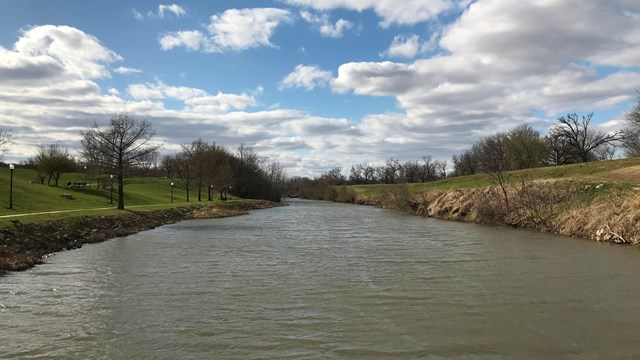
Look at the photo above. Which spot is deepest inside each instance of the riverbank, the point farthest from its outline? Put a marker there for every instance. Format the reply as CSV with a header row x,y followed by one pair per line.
x,y
597,211
24,245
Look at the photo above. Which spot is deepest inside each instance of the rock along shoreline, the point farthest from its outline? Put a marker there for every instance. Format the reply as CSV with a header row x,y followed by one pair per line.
x,y
26,245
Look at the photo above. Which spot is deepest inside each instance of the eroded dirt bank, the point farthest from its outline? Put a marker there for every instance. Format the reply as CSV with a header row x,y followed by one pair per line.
x,y
570,208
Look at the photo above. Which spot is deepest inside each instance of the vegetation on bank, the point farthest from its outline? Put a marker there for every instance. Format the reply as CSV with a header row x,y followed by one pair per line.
x,y
142,194
596,200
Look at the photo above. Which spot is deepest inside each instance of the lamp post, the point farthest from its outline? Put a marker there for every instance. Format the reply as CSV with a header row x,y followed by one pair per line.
x,y
111,201
85,175
172,192
11,167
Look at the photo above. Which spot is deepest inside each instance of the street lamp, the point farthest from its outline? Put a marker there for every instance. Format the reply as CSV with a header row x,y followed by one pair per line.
x,y
85,175
111,201
11,167
172,192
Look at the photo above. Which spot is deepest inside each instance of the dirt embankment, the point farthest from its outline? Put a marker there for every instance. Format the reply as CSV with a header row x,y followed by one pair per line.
x,y
570,208
25,245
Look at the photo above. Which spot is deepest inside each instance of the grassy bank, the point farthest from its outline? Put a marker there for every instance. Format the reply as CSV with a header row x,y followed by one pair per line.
x,y
598,200
141,194
46,219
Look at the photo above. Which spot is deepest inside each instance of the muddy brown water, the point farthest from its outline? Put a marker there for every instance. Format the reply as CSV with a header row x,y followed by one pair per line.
x,y
318,280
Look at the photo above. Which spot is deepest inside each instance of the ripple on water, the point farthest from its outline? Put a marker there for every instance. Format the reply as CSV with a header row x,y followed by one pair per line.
x,y
326,281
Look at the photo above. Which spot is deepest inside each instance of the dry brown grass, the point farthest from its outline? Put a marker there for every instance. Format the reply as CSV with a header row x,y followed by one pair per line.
x,y
614,218
630,175
561,206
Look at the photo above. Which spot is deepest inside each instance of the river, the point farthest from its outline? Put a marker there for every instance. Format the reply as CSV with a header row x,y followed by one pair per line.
x,y
317,280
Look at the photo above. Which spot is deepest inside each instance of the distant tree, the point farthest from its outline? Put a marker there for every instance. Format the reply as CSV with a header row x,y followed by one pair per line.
x,y
52,161
185,172
525,148
168,165
196,153
631,141
121,145
32,163
559,149
149,164
277,177
6,139
411,171
468,162
582,142
494,161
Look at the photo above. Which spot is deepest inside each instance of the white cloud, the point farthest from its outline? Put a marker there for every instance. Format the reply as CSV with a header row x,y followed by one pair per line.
x,y
161,13
192,40
327,29
409,46
408,12
173,8
137,15
504,63
233,30
404,46
307,77
160,90
220,103
62,47
126,70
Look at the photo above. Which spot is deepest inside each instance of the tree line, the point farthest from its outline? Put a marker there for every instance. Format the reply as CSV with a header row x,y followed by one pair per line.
x,y
572,139
125,147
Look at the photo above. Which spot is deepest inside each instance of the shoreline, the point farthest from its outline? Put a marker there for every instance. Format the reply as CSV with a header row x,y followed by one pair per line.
x,y
23,246
569,208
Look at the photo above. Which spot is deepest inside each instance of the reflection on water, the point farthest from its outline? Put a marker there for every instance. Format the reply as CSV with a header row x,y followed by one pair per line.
x,y
327,281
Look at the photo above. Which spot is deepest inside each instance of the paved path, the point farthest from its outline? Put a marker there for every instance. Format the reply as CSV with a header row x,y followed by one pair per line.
x,y
72,210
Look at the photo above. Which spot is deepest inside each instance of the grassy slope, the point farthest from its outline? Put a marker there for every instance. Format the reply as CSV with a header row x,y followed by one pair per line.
x,y
623,173
28,197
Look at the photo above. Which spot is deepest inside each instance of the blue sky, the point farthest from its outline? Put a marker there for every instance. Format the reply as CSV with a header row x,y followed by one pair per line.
x,y
315,84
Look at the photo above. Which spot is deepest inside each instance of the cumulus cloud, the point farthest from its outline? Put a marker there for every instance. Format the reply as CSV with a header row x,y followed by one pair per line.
x,y
52,47
307,77
233,30
503,63
326,28
408,13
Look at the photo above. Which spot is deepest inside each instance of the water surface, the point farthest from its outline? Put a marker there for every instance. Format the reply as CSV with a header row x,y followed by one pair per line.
x,y
319,280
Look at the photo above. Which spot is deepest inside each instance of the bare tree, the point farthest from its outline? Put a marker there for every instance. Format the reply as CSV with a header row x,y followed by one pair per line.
x,y
196,153
583,143
52,161
121,144
6,139
631,141
493,161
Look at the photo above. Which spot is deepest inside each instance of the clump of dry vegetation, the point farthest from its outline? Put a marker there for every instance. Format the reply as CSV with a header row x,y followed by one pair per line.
x,y
566,207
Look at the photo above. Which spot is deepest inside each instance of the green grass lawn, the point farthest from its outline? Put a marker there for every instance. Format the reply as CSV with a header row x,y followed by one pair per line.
x,y
624,173
29,196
